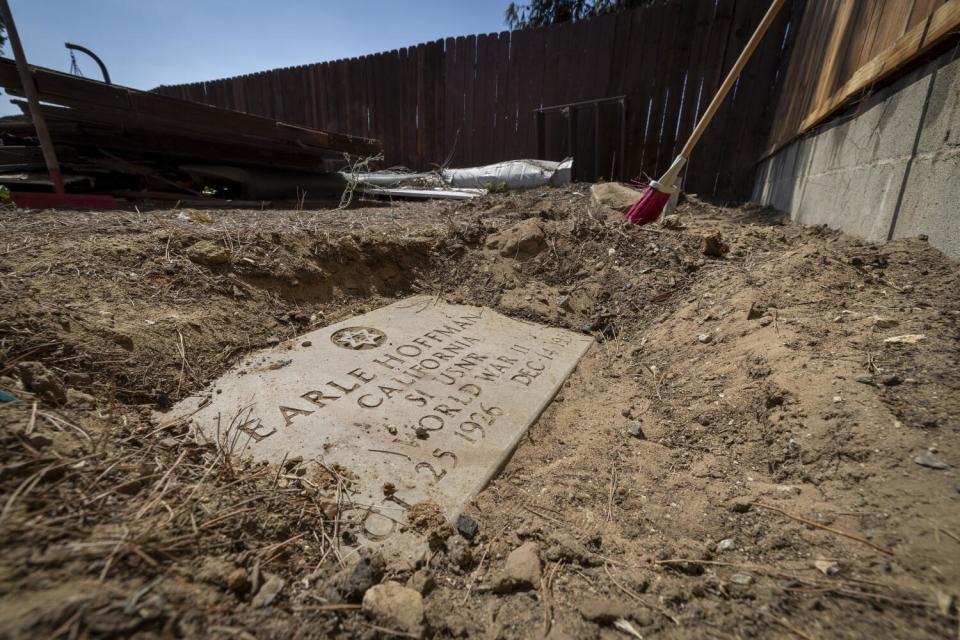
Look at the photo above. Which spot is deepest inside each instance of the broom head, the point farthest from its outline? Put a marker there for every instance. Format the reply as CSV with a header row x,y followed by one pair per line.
x,y
654,198
650,205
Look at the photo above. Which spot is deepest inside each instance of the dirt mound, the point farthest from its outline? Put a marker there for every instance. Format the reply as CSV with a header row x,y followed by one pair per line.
x,y
151,309
737,455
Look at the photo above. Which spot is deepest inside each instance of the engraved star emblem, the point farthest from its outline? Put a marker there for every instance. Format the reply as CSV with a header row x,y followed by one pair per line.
x,y
358,338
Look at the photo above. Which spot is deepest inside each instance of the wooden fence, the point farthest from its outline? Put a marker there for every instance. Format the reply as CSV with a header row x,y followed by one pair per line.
x,y
845,48
636,80
473,99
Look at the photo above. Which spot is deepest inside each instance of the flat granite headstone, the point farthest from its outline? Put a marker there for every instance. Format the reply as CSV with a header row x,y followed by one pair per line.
x,y
417,401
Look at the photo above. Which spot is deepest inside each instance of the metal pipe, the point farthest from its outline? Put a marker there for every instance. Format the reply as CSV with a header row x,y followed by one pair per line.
x,y
30,89
582,103
96,58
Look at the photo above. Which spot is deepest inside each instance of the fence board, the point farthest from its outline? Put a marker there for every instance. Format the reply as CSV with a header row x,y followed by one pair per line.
x,y
502,104
644,25
658,86
457,90
470,89
703,161
483,99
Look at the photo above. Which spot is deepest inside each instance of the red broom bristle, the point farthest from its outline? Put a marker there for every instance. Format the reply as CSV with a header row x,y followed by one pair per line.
x,y
649,207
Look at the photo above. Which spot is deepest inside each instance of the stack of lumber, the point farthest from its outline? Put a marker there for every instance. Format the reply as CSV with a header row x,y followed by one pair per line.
x,y
113,139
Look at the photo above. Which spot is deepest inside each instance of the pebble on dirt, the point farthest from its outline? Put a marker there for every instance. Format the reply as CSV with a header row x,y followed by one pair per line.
x,y
349,584
75,397
522,241
422,581
712,244
741,578
459,553
467,527
395,606
521,571
238,581
927,459
727,544
636,430
208,253
268,592
37,379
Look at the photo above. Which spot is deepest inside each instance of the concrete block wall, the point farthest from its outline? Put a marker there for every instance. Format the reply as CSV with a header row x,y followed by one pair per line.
x,y
889,170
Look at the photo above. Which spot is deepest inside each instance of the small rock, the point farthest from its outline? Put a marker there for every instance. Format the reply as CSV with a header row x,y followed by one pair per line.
x,y
459,553
704,338
214,571
38,441
727,544
741,578
38,379
827,567
422,582
467,527
927,459
349,584
522,241
521,571
672,222
208,253
79,397
238,581
712,244
609,331
864,378
891,380
636,430
603,611
884,323
306,343
764,322
395,606
564,303
169,443
741,504
837,399
268,592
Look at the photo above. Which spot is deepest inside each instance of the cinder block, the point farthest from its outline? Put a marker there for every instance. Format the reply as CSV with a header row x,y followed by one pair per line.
x,y
850,175
931,201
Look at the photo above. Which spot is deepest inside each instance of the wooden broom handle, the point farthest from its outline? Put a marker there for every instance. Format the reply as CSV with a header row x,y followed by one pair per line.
x,y
732,77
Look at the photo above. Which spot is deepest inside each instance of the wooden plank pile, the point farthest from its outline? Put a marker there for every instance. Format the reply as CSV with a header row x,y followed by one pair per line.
x,y
118,140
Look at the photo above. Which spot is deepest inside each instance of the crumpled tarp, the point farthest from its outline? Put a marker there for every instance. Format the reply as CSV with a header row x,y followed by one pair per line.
x,y
514,174
467,183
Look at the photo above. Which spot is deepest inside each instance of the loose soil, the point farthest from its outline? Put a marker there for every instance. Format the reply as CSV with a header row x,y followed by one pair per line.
x,y
735,456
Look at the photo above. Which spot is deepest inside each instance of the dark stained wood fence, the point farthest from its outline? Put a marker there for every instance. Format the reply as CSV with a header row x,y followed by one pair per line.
x,y
473,98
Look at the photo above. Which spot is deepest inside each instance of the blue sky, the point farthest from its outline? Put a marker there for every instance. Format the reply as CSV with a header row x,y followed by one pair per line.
x,y
145,43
